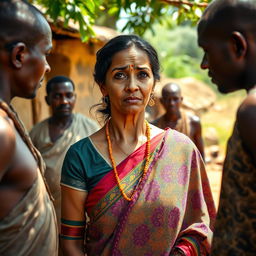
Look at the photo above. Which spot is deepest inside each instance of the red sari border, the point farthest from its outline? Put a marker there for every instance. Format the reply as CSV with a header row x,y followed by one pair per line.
x,y
108,182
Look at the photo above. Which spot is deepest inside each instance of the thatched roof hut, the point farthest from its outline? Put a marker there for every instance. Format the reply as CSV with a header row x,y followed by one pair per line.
x,y
72,58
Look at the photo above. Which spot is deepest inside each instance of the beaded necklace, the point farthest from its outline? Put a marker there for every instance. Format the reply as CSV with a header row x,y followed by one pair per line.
x,y
114,164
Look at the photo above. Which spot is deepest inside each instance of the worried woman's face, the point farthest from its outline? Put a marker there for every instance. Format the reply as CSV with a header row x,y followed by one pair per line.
x,y
129,81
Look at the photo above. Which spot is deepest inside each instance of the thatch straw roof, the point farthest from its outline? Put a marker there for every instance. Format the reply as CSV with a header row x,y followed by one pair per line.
x,y
102,33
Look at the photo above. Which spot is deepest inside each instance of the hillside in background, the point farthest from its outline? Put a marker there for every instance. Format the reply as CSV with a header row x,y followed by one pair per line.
x,y
221,117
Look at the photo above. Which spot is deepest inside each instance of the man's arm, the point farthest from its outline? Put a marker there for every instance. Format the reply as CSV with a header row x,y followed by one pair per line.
x,y
246,121
197,134
7,142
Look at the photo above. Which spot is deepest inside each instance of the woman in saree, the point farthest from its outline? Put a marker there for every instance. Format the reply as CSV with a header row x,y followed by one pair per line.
x,y
143,190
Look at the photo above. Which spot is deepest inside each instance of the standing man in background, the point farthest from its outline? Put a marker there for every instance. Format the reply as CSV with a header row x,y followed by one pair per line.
x,y
226,32
28,224
178,119
53,136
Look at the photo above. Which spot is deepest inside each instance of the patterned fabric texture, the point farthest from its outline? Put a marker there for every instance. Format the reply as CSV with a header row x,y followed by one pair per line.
x,y
173,202
235,231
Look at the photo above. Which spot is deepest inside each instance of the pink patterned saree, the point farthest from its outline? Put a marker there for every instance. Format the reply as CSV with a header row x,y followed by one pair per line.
x,y
171,208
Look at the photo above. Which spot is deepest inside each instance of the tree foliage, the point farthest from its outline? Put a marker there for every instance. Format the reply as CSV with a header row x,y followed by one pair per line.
x,y
140,14
178,51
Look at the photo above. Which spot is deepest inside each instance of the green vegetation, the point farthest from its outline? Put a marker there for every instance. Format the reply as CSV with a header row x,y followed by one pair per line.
x,y
142,14
157,21
179,53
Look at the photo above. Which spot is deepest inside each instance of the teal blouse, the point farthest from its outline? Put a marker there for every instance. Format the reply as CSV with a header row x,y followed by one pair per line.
x,y
83,166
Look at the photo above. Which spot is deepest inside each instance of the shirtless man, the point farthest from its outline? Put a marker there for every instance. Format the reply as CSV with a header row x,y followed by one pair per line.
x,y
226,32
178,119
27,217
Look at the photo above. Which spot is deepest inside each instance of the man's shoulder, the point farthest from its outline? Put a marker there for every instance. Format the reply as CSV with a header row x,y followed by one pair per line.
x,y
37,131
6,124
247,107
86,120
3,114
81,116
246,113
40,124
157,121
7,141
250,99
246,123
194,119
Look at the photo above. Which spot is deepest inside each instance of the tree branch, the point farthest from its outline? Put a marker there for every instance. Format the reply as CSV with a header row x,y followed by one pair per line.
x,y
180,2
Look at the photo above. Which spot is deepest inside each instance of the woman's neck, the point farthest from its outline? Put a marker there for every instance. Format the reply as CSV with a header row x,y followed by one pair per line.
x,y
128,129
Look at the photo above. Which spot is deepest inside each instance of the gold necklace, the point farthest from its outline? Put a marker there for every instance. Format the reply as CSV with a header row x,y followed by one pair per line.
x,y
114,164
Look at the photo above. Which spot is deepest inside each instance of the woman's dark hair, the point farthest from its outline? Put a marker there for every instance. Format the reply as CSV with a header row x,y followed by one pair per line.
x,y
105,55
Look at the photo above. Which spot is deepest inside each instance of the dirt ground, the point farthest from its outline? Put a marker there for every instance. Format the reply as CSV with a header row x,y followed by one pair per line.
x,y
214,172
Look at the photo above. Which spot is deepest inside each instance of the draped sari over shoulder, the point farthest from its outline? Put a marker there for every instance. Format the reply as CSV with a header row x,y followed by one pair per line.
x,y
173,203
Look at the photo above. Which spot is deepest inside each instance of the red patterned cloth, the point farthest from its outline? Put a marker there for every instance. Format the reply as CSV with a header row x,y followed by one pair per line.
x,y
170,206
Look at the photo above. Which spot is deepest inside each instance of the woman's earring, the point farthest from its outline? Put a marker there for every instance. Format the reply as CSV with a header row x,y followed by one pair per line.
x,y
151,102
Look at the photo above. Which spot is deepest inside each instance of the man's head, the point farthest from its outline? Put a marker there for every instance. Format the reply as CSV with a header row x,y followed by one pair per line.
x,y
171,98
61,96
25,41
227,34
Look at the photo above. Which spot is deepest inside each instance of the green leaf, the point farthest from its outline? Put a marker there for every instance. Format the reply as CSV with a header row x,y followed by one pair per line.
x,y
113,11
142,13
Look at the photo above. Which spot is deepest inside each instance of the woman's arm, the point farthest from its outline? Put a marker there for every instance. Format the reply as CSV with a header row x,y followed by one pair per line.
x,y
72,221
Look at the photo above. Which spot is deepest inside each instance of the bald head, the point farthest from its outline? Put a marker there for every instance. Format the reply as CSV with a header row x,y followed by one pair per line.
x,y
171,99
227,34
171,88
20,22
224,16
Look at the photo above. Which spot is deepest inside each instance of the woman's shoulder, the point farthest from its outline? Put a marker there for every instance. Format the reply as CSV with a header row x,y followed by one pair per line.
x,y
170,134
178,138
98,137
80,145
